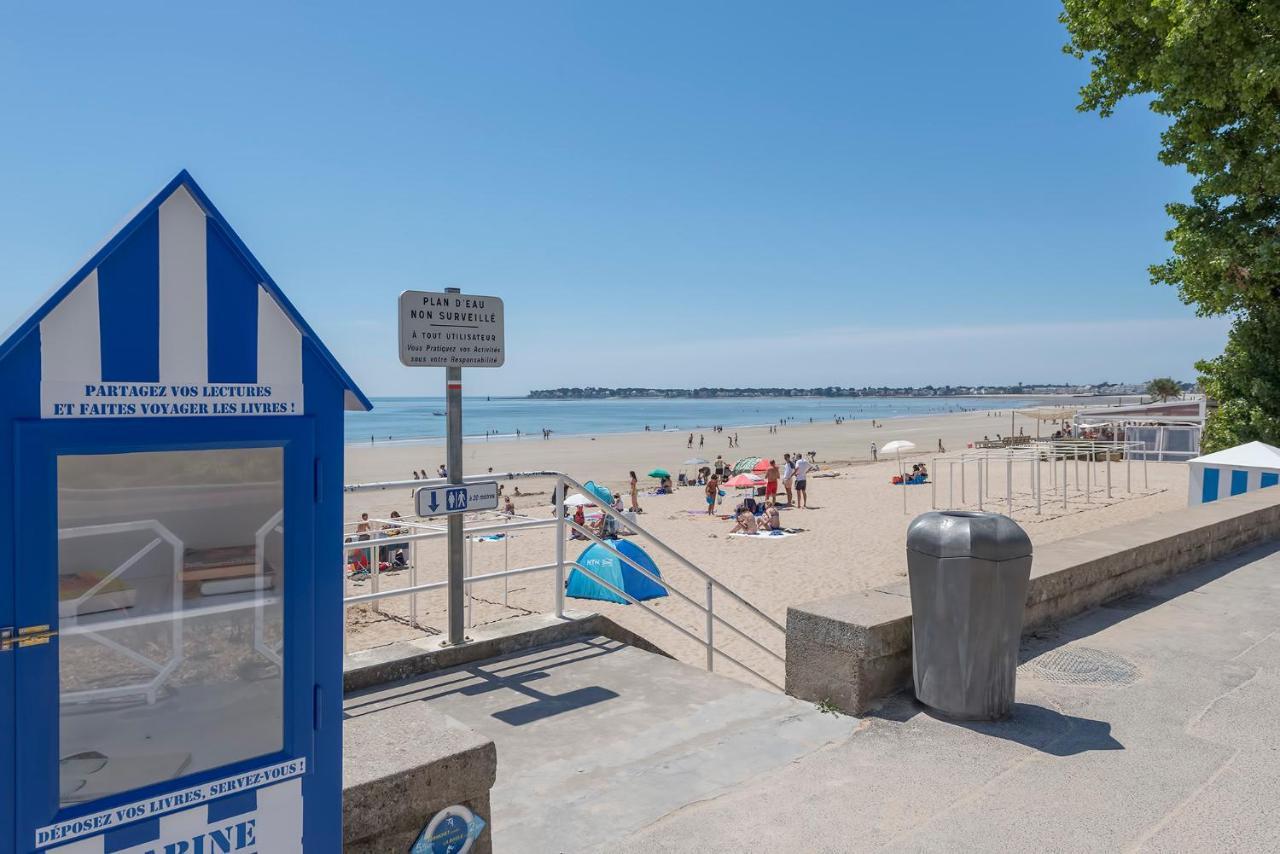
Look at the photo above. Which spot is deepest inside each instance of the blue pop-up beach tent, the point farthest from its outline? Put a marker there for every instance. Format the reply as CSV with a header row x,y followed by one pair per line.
x,y
620,574
599,491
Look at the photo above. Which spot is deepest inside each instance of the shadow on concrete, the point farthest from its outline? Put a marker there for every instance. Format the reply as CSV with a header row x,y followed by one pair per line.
x,y
1110,613
507,672
544,705
1037,727
1042,729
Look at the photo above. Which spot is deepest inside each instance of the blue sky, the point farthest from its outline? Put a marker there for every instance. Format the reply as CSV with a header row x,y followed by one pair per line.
x,y
667,194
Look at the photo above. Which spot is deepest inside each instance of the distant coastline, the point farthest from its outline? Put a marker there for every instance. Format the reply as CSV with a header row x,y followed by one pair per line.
x,y
1021,390
488,419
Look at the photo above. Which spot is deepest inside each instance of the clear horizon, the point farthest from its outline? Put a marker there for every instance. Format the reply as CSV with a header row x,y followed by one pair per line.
x,y
664,196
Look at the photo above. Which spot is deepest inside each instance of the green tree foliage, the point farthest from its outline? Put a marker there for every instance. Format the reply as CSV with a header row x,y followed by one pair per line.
x,y
1212,67
1245,380
1164,388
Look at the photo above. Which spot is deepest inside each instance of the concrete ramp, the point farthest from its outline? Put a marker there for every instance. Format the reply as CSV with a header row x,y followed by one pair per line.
x,y
597,739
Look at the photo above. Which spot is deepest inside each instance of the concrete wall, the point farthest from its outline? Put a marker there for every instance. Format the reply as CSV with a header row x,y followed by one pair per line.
x,y
402,765
855,649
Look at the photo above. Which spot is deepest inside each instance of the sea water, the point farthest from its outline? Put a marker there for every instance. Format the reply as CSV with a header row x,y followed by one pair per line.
x,y
414,419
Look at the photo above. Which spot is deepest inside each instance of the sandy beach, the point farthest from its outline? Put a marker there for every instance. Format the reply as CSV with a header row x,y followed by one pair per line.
x,y
851,538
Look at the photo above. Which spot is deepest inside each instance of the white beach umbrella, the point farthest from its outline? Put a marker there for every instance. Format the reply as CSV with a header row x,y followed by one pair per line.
x,y
577,500
696,461
896,447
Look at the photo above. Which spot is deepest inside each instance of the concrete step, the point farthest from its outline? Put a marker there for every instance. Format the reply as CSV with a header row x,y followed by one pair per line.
x,y
597,739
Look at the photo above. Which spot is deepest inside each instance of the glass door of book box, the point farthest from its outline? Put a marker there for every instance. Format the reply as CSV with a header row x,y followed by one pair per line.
x,y
162,586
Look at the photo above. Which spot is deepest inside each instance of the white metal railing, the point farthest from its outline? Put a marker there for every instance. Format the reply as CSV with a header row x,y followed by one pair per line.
x,y
562,527
1055,454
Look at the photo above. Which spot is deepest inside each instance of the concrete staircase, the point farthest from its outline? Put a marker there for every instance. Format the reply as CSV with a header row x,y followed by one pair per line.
x,y
597,739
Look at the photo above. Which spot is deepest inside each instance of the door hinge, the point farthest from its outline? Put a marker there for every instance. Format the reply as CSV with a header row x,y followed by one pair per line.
x,y
27,636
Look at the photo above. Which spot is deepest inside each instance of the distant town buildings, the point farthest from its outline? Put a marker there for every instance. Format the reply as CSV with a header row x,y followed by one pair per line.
x,y
594,392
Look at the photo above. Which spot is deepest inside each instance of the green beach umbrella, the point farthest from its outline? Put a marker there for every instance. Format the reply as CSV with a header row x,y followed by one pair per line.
x,y
745,465
659,473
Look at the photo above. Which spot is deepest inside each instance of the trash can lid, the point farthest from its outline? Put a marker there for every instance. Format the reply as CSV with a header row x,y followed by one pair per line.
x,y
962,533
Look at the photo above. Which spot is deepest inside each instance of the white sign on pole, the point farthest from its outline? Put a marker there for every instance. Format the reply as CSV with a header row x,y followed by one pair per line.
x,y
442,500
442,330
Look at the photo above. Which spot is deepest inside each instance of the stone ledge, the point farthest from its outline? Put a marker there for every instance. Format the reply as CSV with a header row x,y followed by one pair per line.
x,y
405,659
400,766
855,649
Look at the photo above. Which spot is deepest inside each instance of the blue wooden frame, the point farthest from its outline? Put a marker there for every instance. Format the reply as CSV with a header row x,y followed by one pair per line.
x,y
34,671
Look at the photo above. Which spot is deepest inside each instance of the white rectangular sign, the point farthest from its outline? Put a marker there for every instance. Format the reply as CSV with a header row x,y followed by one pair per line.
x,y
441,500
439,330
286,813
166,400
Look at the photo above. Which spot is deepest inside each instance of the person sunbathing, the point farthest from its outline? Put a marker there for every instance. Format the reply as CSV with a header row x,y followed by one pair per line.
x,y
746,524
771,520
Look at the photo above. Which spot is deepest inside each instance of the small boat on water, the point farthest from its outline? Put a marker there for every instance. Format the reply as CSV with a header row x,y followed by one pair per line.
x,y
438,413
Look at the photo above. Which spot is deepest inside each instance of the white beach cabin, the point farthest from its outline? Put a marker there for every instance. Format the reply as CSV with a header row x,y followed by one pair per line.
x,y
1244,468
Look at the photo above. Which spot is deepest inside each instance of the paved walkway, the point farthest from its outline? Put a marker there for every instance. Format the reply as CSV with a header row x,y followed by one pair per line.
x,y
597,739
1149,725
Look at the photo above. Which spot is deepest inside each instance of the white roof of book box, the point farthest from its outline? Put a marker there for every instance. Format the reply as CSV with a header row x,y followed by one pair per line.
x,y
1254,455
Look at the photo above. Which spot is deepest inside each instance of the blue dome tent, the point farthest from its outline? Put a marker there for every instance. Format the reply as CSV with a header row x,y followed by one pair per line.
x,y
599,491
604,563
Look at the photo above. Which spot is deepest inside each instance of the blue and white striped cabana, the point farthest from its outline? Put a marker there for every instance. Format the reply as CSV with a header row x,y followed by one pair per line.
x,y
1244,468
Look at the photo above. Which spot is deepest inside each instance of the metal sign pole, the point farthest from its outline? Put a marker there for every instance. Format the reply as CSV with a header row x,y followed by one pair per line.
x,y
447,330
453,461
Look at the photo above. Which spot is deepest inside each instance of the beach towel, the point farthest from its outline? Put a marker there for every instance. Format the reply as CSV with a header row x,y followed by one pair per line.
x,y
769,535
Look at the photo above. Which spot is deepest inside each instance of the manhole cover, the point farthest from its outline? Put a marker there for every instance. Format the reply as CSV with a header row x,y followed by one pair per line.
x,y
1080,665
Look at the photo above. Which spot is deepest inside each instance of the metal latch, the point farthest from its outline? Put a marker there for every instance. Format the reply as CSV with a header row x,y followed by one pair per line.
x,y
33,636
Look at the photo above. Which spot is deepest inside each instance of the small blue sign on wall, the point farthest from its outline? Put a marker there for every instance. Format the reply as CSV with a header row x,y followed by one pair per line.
x,y
453,830
178,431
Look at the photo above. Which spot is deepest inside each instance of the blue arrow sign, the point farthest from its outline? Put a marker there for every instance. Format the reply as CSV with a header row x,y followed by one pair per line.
x,y
457,499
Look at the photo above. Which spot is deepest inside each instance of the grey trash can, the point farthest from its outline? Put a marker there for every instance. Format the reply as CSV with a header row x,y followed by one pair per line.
x,y
968,574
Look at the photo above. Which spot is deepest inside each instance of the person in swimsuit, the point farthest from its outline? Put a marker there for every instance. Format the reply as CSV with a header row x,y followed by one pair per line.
x,y
771,483
745,523
713,489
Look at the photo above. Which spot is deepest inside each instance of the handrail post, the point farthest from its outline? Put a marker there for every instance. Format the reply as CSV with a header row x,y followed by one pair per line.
x,y
1008,484
558,495
413,582
933,481
711,623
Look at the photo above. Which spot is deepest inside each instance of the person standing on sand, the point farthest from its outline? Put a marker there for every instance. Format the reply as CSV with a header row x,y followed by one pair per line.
x,y
801,468
702,440
713,489
635,494
788,472
771,483
941,449
874,454
690,444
